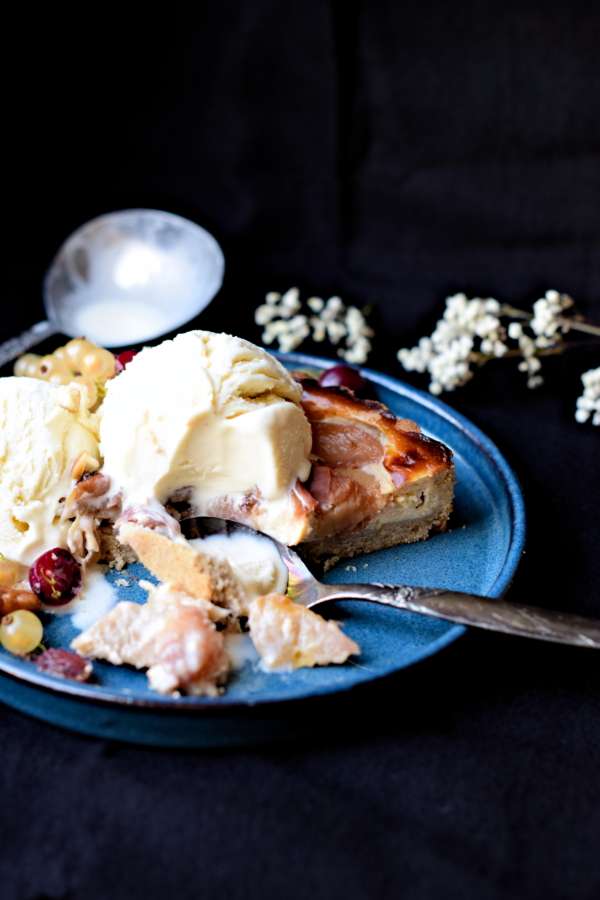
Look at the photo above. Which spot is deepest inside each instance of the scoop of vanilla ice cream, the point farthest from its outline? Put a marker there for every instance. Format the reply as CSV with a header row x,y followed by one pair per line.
x,y
211,418
43,429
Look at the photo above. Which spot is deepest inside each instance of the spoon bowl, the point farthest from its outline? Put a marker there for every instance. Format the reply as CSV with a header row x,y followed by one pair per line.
x,y
131,276
124,278
302,586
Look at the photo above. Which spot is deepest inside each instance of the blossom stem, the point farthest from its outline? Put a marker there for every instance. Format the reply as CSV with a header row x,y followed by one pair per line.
x,y
481,359
568,324
588,327
506,310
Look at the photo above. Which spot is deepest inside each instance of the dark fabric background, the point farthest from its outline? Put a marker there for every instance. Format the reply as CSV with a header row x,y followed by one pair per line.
x,y
393,152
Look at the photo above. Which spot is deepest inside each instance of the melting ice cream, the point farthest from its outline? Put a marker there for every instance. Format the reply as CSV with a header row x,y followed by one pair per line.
x,y
213,421
44,428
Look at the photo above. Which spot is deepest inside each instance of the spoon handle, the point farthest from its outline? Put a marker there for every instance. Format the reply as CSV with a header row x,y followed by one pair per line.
x,y
482,612
15,346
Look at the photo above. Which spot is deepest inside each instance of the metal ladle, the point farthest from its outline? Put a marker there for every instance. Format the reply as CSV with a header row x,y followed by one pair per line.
x,y
126,277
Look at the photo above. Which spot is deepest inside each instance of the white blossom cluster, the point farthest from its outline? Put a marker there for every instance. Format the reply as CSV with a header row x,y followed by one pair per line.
x,y
589,402
528,346
546,321
471,332
330,320
450,350
546,324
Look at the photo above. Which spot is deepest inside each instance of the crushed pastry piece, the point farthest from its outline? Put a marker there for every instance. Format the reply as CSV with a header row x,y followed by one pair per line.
x,y
164,595
124,635
191,655
185,568
171,636
115,554
290,636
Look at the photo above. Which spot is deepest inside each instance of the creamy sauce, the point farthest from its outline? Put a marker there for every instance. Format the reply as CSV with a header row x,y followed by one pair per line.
x,y
96,597
241,650
255,561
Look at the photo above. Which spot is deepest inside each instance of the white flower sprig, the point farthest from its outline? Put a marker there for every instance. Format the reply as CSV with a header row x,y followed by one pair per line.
x,y
331,320
449,352
471,332
589,402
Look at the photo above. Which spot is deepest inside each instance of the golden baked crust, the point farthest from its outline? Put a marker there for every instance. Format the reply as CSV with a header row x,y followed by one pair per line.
x,y
409,454
378,481
177,564
425,512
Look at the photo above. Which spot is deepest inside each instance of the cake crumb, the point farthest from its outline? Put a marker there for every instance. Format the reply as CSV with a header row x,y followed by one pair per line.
x,y
350,568
366,566
115,554
122,582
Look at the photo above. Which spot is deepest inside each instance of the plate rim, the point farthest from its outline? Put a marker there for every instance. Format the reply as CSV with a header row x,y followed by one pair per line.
x,y
513,492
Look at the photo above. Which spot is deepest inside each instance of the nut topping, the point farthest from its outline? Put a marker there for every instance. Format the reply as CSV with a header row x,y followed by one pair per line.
x,y
12,599
78,467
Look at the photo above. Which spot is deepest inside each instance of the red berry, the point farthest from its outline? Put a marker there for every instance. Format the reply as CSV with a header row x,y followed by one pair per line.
x,y
342,376
55,577
123,358
64,664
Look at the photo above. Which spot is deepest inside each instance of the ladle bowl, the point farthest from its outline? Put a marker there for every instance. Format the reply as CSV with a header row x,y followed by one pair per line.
x,y
126,277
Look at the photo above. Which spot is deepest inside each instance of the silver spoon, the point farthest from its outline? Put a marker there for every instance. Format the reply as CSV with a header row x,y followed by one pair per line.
x,y
454,606
124,278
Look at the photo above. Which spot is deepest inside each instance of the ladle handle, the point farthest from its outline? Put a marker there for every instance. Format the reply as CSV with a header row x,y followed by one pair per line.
x,y
15,346
482,612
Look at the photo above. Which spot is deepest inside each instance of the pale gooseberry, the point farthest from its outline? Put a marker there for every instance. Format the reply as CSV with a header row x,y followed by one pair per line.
x,y
26,365
98,363
75,351
20,632
59,353
54,370
10,573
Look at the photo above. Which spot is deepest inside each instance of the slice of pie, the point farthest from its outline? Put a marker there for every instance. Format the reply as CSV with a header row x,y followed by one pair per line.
x,y
377,481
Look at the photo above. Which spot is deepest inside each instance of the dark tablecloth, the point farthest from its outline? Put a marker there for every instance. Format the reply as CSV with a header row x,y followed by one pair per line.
x,y
394,152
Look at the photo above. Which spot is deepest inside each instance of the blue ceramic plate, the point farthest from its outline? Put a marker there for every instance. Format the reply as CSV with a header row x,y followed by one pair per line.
x,y
479,553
